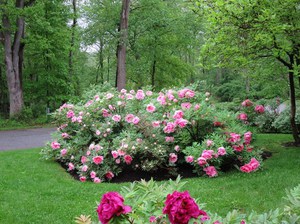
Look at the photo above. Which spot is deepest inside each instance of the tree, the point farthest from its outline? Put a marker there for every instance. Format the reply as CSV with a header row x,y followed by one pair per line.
x,y
121,48
242,32
12,31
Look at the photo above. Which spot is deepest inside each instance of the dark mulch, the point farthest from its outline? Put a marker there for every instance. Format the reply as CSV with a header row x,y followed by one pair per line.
x,y
291,144
184,170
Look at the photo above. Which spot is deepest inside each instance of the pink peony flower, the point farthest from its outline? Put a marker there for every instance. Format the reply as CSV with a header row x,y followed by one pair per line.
x,y
55,145
248,137
132,91
234,138
210,171
170,127
246,168
129,96
129,118
70,114
259,109
169,139
150,108
84,168
186,106
93,174
207,154
65,135
181,122
180,208
123,91
116,118
63,152
209,143
112,204
155,124
254,163
98,132
140,95
71,166
161,99
242,117
172,158
128,159
189,159
109,175
112,108
178,114
177,148
83,159
221,151
114,154
217,222
105,113
247,103
136,120
152,219
201,161
149,93
74,119
82,178
97,180
109,96
98,159
197,107
89,103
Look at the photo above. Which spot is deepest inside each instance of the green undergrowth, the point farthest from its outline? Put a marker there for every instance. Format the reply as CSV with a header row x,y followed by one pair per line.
x,y
36,191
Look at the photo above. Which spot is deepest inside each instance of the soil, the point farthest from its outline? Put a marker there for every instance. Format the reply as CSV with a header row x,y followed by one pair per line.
x,y
184,170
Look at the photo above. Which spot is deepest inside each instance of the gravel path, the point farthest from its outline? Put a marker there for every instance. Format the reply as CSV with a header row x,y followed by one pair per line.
x,y
24,139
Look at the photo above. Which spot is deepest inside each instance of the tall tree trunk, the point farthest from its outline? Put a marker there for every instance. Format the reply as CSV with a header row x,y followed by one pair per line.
x,y
153,70
293,108
71,52
14,59
121,49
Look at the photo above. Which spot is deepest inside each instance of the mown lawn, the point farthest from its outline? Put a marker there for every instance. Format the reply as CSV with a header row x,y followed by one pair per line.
x,y
37,191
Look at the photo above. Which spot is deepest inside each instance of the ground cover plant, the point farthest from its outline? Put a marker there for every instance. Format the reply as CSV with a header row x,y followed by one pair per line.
x,y
142,130
35,191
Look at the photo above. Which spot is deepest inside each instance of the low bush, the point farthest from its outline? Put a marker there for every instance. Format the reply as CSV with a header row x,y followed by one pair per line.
x,y
98,138
150,202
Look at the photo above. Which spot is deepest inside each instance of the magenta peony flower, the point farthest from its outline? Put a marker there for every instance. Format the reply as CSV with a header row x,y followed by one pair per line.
x,y
238,148
112,204
109,175
209,142
155,124
259,109
70,114
207,154
128,159
170,127
97,180
83,159
201,161
65,135
169,139
136,120
63,152
181,122
152,219
71,166
254,163
234,138
248,137
93,174
180,208
98,159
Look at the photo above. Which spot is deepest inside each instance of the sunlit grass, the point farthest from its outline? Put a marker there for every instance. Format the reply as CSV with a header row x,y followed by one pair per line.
x,y
37,191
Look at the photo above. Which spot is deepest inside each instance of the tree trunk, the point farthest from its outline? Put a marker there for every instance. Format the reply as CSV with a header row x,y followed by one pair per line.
x,y
153,70
71,52
121,49
14,60
293,108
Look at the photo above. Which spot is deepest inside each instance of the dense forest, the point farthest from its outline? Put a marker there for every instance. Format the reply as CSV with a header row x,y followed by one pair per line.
x,y
53,50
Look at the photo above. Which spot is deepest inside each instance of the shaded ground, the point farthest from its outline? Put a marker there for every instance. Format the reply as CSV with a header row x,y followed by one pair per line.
x,y
24,139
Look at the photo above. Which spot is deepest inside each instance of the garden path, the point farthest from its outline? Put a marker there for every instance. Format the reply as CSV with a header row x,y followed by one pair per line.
x,y
24,139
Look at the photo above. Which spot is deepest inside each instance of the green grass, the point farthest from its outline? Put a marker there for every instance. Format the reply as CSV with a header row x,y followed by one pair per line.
x,y
12,124
37,191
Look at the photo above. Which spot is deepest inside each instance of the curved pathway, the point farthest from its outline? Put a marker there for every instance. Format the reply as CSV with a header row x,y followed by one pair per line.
x,y
24,139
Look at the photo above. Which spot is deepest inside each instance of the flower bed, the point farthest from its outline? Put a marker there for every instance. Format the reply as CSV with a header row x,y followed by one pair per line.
x,y
142,130
150,202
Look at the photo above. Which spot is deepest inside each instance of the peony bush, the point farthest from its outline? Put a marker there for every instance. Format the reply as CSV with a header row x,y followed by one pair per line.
x,y
110,132
150,202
